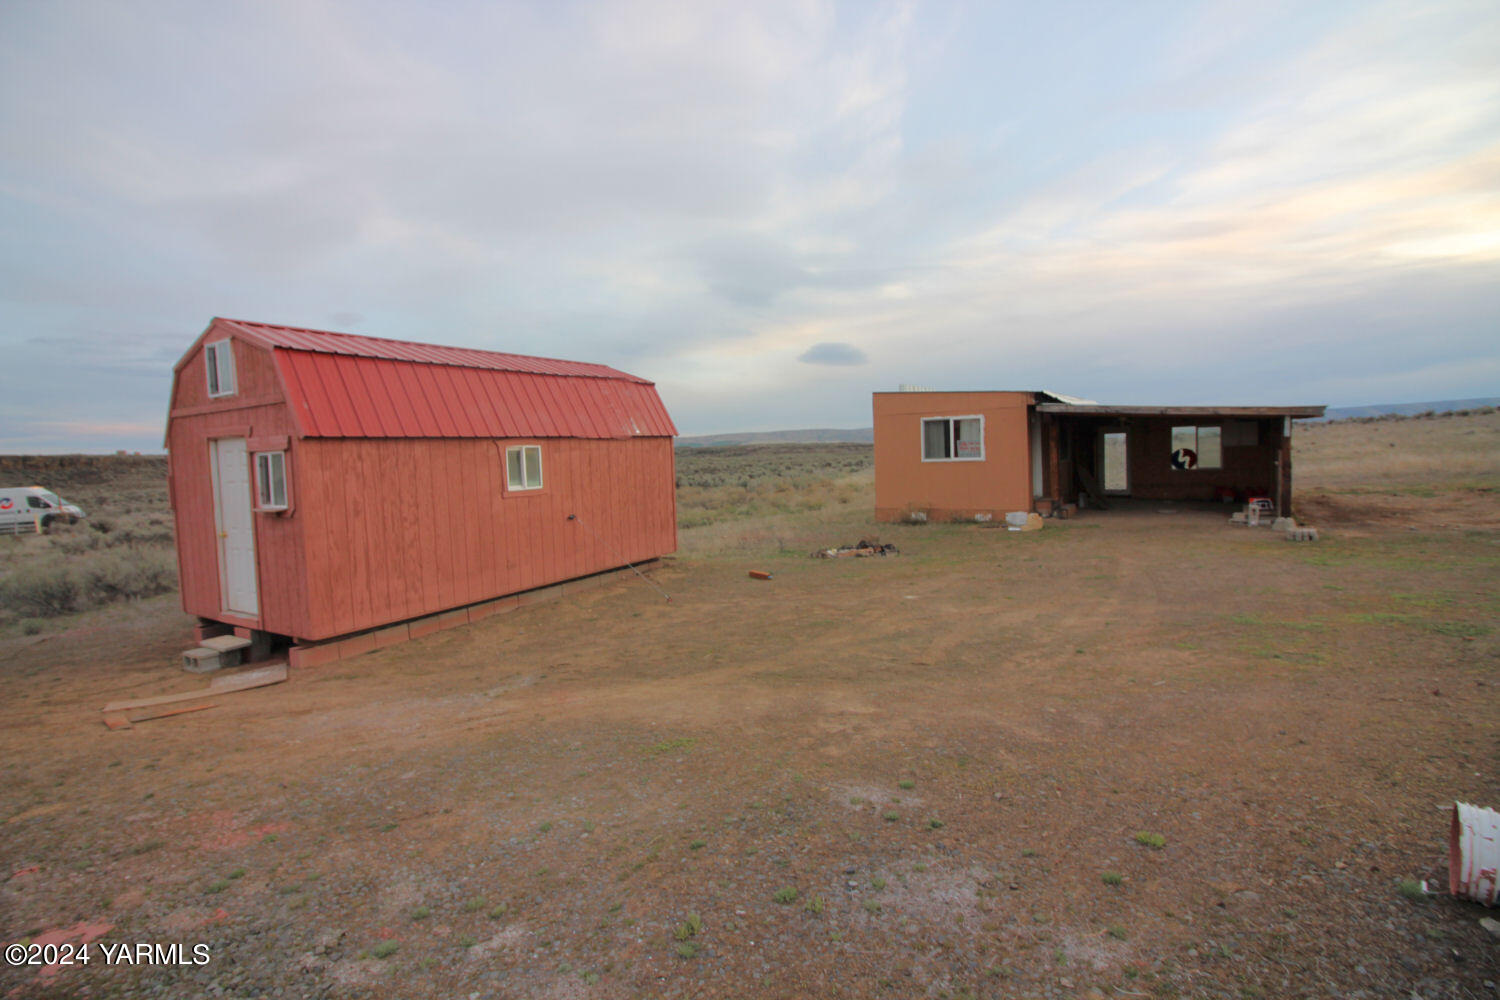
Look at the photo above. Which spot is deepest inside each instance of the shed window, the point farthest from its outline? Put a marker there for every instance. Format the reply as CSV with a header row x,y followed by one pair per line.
x,y
270,479
219,361
1197,448
523,467
953,439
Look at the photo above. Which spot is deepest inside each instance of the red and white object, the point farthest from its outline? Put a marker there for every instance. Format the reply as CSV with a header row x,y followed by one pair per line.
x,y
1474,853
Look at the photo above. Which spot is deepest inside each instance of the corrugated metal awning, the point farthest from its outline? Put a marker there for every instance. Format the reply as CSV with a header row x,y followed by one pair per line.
x,y
1098,410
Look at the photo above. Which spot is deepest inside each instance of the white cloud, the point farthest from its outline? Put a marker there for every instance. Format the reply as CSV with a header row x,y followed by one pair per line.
x,y
698,192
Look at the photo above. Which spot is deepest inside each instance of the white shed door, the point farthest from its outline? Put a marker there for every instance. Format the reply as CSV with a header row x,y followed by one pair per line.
x,y
231,472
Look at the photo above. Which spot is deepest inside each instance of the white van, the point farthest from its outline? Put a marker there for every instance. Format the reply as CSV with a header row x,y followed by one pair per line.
x,y
32,508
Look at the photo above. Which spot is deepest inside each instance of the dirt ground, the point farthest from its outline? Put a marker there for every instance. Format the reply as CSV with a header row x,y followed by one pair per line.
x,y
929,775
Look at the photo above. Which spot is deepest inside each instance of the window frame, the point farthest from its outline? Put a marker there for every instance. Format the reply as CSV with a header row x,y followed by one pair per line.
x,y
218,362
1197,447
261,482
522,488
922,437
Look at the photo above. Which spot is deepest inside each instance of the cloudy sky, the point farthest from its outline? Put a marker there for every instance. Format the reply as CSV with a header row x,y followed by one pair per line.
x,y
770,207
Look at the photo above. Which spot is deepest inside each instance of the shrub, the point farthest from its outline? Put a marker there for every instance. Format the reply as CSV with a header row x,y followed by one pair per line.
x,y
42,592
77,544
117,577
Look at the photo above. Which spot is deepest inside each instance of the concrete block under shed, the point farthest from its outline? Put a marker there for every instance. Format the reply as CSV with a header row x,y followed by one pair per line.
x,y
312,655
207,630
260,643
541,595
216,653
200,660
436,623
478,612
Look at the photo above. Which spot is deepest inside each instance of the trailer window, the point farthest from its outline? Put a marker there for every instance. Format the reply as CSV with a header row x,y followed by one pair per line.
x,y
270,479
523,467
218,359
953,439
1197,448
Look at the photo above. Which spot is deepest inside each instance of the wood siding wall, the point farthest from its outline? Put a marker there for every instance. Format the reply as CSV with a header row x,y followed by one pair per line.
x,y
195,421
951,490
397,528
384,529
1246,467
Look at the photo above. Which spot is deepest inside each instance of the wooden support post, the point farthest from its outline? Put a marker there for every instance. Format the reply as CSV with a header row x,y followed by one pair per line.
x,y
1053,438
1284,469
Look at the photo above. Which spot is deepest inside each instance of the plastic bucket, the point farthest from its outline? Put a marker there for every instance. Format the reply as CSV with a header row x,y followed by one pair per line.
x,y
1474,853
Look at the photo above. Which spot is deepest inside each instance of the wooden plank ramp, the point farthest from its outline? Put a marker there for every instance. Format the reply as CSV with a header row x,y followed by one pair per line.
x,y
1091,487
228,684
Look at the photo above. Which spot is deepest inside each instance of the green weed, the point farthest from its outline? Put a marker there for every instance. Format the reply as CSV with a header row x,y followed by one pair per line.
x,y
1413,890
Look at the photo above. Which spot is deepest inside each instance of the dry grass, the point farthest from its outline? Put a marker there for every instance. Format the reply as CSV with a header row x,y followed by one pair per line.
x,y
122,551
570,793
1415,455
715,485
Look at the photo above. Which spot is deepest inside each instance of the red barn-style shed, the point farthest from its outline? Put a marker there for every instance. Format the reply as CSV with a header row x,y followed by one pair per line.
x,y
325,484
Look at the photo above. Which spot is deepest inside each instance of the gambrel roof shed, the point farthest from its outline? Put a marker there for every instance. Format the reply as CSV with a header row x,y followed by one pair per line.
x,y
327,483
345,385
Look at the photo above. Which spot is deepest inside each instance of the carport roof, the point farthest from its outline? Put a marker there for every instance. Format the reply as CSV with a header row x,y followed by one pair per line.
x,y
1100,410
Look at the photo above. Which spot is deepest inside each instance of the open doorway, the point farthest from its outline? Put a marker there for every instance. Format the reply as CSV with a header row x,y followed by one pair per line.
x,y
1114,470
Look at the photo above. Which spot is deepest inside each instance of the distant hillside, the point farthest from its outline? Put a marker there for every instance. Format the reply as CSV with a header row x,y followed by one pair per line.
x,y
811,435
1407,409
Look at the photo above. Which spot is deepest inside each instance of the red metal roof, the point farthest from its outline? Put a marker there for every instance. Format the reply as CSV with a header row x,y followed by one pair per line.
x,y
326,342
343,385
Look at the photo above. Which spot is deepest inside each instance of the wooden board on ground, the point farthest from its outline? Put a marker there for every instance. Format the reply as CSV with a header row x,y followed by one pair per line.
x,y
1091,487
162,713
259,677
